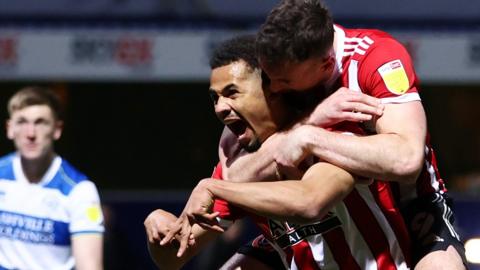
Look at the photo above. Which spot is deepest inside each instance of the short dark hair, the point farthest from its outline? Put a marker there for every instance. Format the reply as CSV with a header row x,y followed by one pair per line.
x,y
35,95
294,31
235,49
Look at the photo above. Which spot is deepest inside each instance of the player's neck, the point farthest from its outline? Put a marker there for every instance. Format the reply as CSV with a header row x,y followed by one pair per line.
x,y
34,170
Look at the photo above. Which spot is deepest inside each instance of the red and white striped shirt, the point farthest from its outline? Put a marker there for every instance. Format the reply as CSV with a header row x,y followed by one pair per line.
x,y
365,231
373,62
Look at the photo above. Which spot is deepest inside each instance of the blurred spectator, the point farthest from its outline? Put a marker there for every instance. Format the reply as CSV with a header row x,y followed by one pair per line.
x,y
50,215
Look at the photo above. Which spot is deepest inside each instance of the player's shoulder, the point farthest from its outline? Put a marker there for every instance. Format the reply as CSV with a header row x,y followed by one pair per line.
x,y
369,40
6,167
373,35
69,171
67,178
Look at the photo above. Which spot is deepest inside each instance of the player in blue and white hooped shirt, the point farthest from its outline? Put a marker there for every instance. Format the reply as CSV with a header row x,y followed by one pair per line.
x,y
50,215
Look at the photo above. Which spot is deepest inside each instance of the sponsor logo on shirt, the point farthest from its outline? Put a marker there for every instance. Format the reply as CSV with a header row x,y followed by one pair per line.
x,y
33,229
286,234
394,77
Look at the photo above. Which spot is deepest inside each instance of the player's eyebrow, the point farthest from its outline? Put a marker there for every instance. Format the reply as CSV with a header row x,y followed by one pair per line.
x,y
224,91
227,88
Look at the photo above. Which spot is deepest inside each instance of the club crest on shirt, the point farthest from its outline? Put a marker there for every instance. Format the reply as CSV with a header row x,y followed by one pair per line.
x,y
394,77
51,202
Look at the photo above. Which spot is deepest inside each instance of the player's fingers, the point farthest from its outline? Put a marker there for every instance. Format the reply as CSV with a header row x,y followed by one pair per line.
x,y
364,108
356,117
191,240
150,238
368,100
170,235
184,239
208,221
208,216
211,227
150,234
218,228
154,236
202,216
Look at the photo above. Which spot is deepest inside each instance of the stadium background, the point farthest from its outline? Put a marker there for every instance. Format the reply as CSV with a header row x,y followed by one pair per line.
x,y
134,79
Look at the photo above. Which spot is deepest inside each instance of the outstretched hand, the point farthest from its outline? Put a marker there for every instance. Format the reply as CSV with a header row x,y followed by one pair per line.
x,y
197,211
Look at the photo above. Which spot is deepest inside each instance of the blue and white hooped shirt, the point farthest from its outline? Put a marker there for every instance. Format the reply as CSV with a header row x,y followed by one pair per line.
x,y
37,220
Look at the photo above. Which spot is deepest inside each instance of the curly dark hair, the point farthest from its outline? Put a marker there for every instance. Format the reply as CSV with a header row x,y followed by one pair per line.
x,y
294,31
235,49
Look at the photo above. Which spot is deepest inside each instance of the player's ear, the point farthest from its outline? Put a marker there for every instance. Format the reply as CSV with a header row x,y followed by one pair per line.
x,y
329,64
57,133
8,127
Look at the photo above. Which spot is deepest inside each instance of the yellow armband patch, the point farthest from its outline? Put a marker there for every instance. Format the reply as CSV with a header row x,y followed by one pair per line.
x,y
394,77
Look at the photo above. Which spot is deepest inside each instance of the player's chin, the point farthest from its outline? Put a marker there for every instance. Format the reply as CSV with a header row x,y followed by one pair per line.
x,y
32,154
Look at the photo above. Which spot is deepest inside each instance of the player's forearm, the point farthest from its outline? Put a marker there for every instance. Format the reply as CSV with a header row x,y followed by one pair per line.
x,y
295,201
258,165
389,157
88,251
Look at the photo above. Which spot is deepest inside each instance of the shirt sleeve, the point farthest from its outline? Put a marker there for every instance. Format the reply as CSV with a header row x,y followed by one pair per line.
x,y
227,211
85,210
387,72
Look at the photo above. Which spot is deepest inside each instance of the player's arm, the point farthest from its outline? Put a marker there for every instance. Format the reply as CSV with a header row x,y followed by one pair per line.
x,y
87,250
86,226
396,152
303,201
165,256
241,166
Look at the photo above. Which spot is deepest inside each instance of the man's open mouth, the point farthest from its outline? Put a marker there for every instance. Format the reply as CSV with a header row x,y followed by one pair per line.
x,y
238,127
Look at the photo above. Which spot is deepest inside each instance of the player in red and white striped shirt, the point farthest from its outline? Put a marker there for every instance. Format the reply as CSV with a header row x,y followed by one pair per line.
x,y
300,49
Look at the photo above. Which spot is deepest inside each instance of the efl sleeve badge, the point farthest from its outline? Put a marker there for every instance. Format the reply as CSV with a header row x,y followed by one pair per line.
x,y
394,77
94,213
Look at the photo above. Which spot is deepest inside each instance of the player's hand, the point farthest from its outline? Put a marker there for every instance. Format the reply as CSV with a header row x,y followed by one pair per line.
x,y
345,105
199,207
197,210
157,225
293,150
181,231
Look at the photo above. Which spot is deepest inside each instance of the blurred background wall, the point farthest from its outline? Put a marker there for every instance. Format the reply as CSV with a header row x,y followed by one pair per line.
x,y
134,77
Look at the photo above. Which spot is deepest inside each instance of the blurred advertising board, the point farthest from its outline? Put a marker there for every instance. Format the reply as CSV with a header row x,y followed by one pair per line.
x,y
154,55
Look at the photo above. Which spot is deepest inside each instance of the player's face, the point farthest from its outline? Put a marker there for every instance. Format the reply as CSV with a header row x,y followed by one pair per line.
x,y
33,130
298,76
242,105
